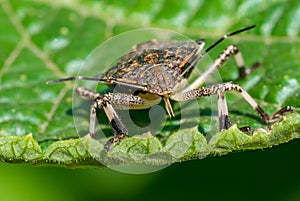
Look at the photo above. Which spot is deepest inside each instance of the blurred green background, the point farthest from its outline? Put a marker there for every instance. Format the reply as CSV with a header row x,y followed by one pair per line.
x,y
271,174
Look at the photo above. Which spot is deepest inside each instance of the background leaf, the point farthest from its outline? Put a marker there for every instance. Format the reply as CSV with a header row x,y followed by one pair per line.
x,y
40,47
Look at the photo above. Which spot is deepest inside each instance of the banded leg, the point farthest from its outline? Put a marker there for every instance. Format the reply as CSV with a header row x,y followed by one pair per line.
x,y
224,119
231,50
220,90
101,102
109,102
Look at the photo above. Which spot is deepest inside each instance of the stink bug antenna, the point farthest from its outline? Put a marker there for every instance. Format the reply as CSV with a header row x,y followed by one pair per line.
x,y
76,78
228,35
61,80
200,42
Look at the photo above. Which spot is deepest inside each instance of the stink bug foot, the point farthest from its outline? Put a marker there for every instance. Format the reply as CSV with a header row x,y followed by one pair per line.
x,y
246,129
267,120
113,140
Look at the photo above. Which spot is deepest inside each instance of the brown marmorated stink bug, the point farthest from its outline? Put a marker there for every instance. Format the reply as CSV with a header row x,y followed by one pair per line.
x,y
155,71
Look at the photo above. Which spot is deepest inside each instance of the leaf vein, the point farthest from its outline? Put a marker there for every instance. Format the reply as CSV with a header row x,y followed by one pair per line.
x,y
55,106
11,58
27,40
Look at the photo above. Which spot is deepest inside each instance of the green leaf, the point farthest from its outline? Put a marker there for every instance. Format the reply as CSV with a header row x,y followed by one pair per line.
x,y
44,40
187,143
137,149
15,148
235,140
66,151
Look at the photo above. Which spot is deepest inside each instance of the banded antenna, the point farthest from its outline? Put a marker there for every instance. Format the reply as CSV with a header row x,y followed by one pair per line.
x,y
228,35
76,78
215,44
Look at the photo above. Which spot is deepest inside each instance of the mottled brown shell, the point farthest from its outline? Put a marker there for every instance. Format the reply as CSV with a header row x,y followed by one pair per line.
x,y
158,66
